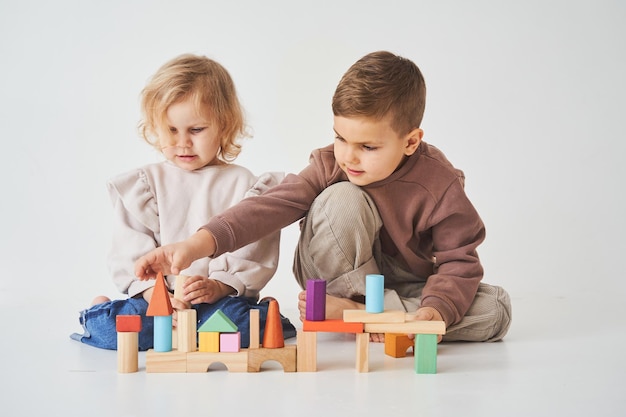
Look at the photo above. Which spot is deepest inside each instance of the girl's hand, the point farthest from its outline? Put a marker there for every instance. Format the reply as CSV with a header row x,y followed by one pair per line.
x,y
199,289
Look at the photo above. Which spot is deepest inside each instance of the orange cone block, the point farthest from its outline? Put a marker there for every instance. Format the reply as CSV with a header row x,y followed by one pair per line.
x,y
273,335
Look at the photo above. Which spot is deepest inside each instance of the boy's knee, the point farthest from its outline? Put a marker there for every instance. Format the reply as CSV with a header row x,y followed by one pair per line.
x,y
342,191
488,319
343,202
503,317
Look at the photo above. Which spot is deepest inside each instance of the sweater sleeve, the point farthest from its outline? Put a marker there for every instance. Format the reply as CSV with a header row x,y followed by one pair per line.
x,y
457,230
280,206
250,268
135,229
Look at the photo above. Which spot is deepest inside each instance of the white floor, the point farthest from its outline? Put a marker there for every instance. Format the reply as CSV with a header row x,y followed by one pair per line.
x,y
570,363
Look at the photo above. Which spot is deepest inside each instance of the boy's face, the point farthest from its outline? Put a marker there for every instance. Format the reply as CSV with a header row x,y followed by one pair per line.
x,y
370,150
192,141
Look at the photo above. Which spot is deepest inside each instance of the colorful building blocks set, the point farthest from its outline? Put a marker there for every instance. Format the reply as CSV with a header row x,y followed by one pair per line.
x,y
218,338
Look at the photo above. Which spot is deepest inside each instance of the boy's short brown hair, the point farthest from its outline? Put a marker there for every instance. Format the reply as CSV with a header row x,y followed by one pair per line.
x,y
382,84
211,89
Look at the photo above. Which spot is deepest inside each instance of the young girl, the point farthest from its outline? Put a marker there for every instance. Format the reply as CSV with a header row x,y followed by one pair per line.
x,y
191,114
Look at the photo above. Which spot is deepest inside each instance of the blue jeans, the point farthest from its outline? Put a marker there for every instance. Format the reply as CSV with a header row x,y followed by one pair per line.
x,y
99,321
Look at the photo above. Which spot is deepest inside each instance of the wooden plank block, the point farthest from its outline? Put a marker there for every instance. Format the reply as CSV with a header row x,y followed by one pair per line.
x,y
425,353
234,361
332,326
127,352
396,344
408,327
362,352
179,284
186,331
255,338
286,356
128,323
315,300
307,351
362,316
166,362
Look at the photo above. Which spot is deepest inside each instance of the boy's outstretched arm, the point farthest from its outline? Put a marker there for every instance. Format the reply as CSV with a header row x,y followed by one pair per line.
x,y
173,258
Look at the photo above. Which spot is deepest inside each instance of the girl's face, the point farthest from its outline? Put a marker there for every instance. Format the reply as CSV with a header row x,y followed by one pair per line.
x,y
192,141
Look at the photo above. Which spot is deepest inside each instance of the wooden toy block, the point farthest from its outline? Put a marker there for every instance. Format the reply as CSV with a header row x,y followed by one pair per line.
x,y
332,326
286,356
307,351
127,323
201,361
316,300
230,342
162,333
273,335
374,293
160,304
127,352
397,344
254,329
166,362
178,294
362,352
179,286
425,351
209,342
186,331
408,327
362,316
218,322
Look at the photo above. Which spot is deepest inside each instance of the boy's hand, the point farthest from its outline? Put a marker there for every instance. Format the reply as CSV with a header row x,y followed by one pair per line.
x,y
199,289
171,259
428,314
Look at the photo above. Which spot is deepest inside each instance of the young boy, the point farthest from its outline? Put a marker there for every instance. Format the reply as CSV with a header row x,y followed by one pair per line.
x,y
378,201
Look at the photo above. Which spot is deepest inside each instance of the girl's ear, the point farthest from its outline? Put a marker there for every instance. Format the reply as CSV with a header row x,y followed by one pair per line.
x,y
412,141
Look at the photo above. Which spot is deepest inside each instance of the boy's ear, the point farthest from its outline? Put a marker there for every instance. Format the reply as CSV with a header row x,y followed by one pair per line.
x,y
412,141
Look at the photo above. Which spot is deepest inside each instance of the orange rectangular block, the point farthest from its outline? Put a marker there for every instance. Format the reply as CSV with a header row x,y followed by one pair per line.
x,y
128,323
332,326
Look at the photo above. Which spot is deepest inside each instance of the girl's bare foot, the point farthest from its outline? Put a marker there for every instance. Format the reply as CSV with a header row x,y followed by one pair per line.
x,y
100,299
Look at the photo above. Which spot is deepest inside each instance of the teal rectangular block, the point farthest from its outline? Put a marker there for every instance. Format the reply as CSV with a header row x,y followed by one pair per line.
x,y
425,352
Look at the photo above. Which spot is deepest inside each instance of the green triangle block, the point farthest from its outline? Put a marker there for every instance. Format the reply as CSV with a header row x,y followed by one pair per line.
x,y
218,322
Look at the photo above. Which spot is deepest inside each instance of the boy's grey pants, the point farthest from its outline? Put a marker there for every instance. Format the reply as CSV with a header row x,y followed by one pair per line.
x,y
339,243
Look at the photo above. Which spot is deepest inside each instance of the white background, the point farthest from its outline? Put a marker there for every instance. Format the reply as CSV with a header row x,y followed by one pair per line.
x,y
526,97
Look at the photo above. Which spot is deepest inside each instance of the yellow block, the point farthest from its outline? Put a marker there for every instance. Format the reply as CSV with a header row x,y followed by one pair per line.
x,y
209,342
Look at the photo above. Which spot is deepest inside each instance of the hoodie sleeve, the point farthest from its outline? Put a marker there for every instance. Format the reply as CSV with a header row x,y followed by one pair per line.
x,y
250,268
